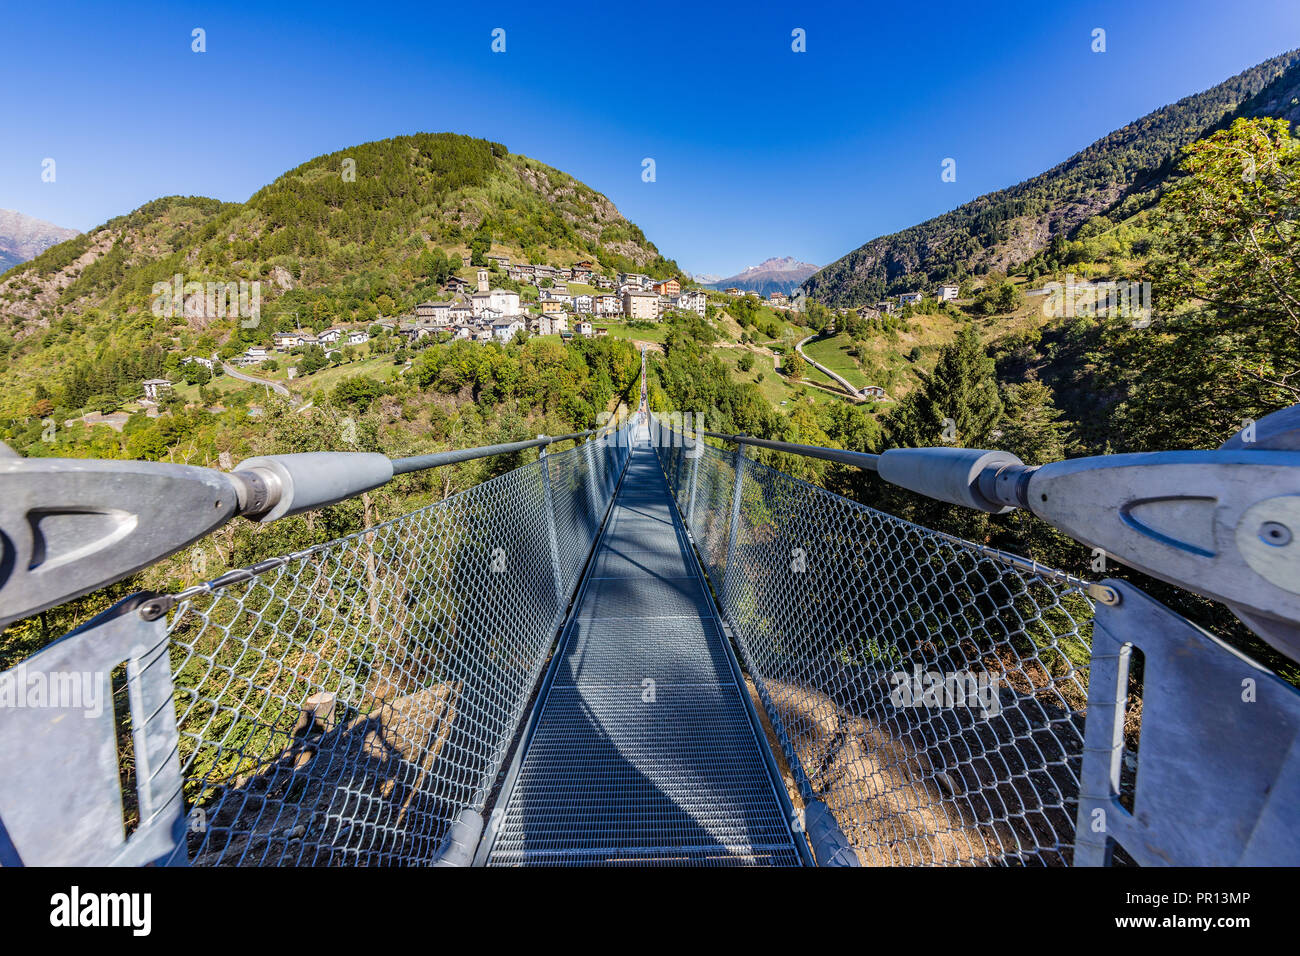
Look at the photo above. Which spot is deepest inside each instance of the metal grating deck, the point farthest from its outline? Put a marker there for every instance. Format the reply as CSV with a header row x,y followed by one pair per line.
x,y
620,771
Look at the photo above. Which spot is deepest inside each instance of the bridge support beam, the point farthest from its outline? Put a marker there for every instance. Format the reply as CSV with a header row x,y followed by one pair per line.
x,y
461,841
1211,787
829,845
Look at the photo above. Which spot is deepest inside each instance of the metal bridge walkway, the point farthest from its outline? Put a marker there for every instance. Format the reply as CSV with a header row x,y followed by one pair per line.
x,y
643,748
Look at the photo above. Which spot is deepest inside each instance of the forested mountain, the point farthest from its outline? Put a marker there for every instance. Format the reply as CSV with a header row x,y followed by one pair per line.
x,y
346,227
1114,177
1218,349
348,236
341,239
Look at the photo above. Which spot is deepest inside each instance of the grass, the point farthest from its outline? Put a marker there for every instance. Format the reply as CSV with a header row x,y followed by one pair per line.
x,y
886,362
834,354
774,387
817,375
621,330
766,315
220,384
379,367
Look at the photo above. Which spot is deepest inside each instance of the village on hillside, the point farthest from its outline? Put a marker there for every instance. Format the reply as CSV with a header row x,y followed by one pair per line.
x,y
944,293
570,301
504,299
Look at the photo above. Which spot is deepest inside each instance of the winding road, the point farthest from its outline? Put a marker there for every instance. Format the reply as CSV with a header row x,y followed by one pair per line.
x,y
822,368
859,395
277,387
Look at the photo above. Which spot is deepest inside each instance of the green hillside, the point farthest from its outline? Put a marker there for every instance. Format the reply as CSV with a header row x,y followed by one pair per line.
x,y
346,237
1218,348
1218,245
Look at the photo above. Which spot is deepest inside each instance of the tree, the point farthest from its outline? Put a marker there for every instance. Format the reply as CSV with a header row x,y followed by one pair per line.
x,y
998,298
1008,297
196,373
479,247
958,404
1224,343
313,360
435,266
358,391
1031,424
795,366
105,403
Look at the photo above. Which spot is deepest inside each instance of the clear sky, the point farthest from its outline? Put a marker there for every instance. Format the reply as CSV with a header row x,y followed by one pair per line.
x,y
759,151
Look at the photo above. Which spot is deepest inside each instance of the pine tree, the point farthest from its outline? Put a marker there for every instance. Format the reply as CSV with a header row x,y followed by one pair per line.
x,y
958,404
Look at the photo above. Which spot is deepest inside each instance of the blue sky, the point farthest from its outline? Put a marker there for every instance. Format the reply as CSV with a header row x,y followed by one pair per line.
x,y
759,151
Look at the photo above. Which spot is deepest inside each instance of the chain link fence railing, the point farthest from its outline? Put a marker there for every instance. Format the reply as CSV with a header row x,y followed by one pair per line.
x,y
929,691
345,704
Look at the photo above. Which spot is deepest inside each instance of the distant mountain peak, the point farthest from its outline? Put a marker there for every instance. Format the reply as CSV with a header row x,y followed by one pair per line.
x,y
778,264
777,274
24,237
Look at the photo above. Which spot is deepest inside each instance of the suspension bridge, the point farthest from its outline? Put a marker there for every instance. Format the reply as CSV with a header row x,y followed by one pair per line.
x,y
647,647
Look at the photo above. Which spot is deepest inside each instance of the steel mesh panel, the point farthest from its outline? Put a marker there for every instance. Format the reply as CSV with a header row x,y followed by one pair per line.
x,y
714,484
612,776
344,704
576,515
831,601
